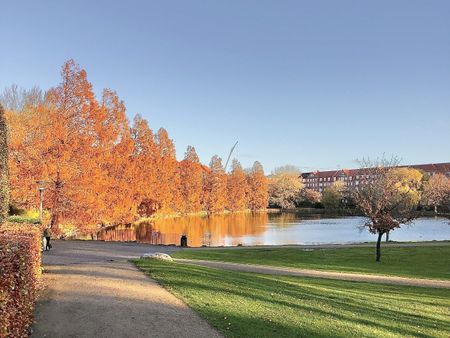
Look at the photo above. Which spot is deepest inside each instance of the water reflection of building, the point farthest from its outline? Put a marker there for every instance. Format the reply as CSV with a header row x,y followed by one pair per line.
x,y
214,230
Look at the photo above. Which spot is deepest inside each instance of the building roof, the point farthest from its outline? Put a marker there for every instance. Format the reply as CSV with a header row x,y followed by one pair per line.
x,y
431,167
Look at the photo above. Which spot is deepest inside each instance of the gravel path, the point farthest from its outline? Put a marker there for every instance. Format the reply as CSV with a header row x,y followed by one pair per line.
x,y
93,291
271,270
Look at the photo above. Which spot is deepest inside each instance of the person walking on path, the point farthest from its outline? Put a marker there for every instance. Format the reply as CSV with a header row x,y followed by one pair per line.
x,y
47,236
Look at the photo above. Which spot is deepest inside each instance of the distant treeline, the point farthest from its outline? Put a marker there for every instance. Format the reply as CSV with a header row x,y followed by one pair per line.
x,y
98,168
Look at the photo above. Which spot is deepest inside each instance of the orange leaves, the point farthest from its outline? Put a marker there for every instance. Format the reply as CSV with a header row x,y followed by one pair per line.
x,y
191,184
101,170
258,196
215,186
237,188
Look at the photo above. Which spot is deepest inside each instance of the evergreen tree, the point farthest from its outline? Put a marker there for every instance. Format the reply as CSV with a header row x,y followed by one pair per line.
x,y
4,183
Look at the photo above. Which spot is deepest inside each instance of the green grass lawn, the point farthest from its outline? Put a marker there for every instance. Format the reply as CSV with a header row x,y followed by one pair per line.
x,y
419,262
254,305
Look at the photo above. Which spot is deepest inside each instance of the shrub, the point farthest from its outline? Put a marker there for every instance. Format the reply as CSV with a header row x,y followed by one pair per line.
x,y
20,270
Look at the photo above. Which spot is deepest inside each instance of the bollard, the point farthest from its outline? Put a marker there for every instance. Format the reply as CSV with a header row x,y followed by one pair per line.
x,y
183,241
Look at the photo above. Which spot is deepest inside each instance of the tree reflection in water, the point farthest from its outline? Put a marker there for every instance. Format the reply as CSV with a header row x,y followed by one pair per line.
x,y
215,230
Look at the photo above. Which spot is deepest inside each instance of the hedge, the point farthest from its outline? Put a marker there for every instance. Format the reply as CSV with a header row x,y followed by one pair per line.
x,y
20,271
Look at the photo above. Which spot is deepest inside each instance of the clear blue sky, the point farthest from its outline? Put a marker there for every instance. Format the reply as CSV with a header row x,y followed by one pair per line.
x,y
316,84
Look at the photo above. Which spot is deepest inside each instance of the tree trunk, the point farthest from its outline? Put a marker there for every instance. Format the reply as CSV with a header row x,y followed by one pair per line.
x,y
387,236
435,209
380,235
54,222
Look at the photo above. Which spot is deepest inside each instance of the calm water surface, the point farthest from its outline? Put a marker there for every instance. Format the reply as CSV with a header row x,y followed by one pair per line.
x,y
270,229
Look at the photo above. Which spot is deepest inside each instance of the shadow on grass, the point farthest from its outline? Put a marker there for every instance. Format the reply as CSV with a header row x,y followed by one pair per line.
x,y
352,307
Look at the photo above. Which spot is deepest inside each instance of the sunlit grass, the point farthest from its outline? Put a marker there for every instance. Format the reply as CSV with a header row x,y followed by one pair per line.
x,y
254,305
28,216
420,262
22,219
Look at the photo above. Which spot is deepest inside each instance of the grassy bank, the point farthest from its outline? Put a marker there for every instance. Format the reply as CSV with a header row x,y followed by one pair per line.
x,y
419,262
253,305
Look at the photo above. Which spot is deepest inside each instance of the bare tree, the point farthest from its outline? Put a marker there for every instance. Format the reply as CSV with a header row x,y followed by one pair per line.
x,y
14,98
387,195
286,169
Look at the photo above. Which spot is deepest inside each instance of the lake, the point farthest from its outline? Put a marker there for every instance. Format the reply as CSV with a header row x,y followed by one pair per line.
x,y
269,229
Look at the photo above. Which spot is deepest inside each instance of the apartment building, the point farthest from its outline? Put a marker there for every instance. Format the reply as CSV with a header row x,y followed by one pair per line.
x,y
319,180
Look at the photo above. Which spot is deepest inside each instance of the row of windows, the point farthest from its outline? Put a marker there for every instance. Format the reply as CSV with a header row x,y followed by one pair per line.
x,y
341,178
313,183
326,184
356,177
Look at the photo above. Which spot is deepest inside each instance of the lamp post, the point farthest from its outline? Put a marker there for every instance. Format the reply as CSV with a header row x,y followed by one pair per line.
x,y
41,186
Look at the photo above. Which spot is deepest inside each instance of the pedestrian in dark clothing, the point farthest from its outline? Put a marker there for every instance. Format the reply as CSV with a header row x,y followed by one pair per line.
x,y
48,235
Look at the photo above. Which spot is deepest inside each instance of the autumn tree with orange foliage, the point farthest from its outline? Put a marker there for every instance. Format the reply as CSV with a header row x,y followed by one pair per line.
x,y
117,162
166,191
258,197
237,188
68,140
216,186
25,148
80,135
100,170
145,159
191,186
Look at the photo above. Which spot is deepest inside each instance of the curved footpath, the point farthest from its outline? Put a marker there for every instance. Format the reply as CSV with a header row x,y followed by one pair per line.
x,y
273,270
93,291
